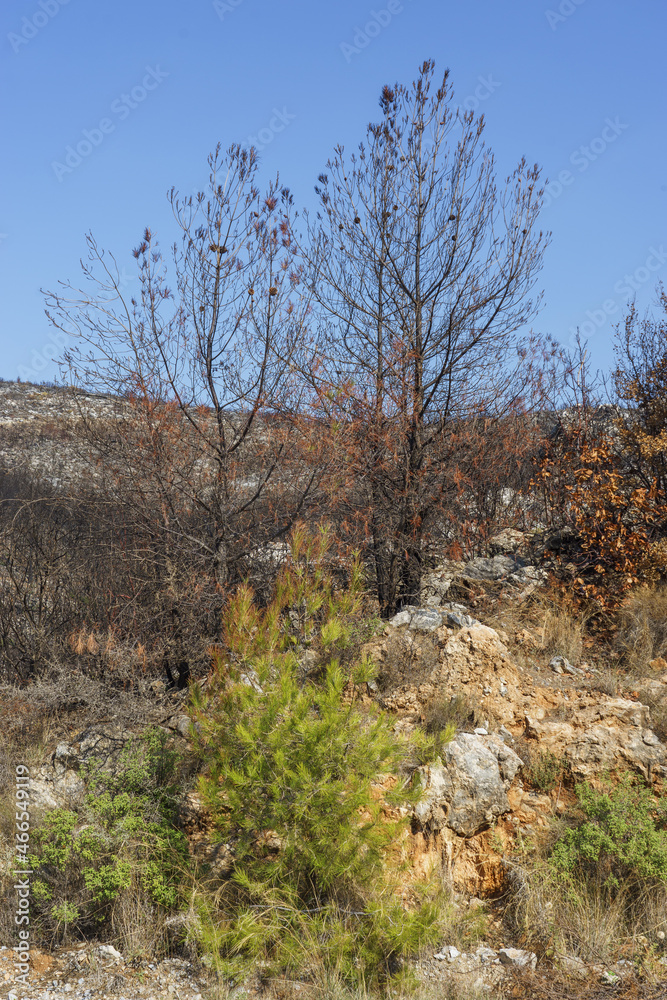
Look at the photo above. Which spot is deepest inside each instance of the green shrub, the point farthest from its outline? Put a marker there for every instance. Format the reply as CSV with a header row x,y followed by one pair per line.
x,y
290,766
604,882
621,842
123,841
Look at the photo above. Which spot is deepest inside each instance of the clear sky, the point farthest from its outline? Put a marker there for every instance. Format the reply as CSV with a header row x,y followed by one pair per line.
x,y
145,89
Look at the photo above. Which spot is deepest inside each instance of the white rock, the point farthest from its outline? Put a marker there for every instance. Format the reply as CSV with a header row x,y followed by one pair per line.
x,y
418,619
574,966
448,954
108,951
518,958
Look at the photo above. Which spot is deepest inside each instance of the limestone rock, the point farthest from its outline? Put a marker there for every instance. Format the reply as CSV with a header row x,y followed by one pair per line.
x,y
656,691
459,618
509,540
494,568
610,735
469,789
108,951
573,966
448,954
58,783
453,577
472,663
517,958
561,665
437,583
418,619
192,816
49,790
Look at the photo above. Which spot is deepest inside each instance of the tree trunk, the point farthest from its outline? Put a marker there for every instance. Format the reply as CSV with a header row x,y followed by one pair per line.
x,y
220,570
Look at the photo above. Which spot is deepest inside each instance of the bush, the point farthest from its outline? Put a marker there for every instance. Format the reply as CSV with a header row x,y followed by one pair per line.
x,y
124,843
603,884
446,715
622,841
291,763
613,519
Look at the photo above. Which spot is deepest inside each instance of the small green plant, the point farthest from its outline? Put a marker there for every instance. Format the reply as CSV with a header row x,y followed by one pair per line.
x,y
65,914
622,841
496,842
290,769
123,841
474,926
427,745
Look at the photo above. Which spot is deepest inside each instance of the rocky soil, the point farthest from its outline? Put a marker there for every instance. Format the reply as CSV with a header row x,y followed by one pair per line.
x,y
99,972
479,801
38,430
477,805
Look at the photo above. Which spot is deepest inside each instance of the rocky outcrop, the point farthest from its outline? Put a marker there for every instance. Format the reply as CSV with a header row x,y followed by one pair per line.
x,y
593,732
507,568
475,804
471,662
468,790
611,736
59,782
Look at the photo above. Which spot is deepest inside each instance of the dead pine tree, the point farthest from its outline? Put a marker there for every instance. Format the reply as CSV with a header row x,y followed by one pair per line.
x,y
422,268
200,448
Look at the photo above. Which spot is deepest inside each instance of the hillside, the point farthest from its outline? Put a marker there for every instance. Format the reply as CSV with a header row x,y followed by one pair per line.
x,y
534,730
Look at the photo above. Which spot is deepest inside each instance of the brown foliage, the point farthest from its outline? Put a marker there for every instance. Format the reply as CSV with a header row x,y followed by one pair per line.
x,y
610,486
586,486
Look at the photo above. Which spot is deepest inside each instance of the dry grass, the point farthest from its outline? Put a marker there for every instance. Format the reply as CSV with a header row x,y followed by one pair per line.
x,y
556,985
65,702
607,681
642,634
469,929
139,928
544,626
442,712
580,920
26,730
451,988
563,631
7,878
323,985
407,661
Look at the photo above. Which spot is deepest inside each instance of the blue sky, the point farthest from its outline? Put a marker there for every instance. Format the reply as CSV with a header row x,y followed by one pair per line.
x,y
146,90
